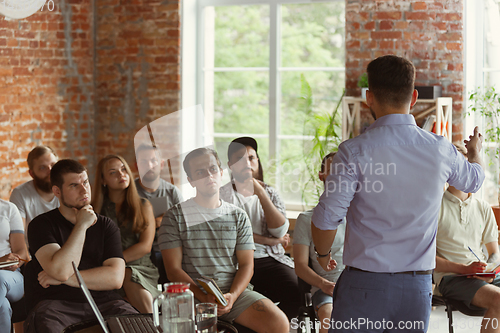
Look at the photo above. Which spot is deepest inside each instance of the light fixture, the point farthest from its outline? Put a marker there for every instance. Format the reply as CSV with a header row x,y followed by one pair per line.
x,y
19,9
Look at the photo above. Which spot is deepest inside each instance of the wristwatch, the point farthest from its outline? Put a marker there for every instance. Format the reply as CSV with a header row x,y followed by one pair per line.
x,y
322,255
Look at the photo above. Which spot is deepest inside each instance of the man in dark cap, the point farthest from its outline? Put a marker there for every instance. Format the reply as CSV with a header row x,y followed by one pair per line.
x,y
274,274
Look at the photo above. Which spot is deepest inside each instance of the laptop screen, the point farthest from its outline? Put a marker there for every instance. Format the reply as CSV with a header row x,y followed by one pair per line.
x,y
90,299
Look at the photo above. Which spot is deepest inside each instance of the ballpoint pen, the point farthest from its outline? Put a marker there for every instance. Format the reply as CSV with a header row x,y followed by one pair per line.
x,y
474,253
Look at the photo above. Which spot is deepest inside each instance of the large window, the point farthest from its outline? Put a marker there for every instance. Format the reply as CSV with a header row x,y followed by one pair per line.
x,y
250,56
482,24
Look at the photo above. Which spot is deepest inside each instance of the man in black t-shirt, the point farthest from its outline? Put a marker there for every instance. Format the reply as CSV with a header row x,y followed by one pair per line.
x,y
72,233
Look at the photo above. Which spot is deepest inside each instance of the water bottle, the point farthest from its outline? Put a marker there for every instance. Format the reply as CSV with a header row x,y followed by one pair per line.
x,y
177,304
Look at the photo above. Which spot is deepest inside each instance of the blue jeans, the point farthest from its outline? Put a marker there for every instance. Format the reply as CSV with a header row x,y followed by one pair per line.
x,y
381,302
11,290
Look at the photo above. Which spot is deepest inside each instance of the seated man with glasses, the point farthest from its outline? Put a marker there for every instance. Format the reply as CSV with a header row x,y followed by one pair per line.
x,y
205,236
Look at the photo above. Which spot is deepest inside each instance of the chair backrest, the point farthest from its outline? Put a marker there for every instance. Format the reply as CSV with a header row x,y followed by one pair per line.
x,y
306,310
305,292
305,289
19,312
30,284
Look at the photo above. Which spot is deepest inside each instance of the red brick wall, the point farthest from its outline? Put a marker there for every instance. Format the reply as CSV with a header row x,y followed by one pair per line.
x,y
49,69
429,33
137,72
46,88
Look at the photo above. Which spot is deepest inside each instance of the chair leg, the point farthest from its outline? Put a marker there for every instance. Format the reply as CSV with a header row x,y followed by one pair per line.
x,y
304,324
18,327
449,312
317,325
307,321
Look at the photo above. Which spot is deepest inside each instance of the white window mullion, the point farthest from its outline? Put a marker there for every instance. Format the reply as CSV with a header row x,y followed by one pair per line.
x,y
200,77
208,77
471,59
274,84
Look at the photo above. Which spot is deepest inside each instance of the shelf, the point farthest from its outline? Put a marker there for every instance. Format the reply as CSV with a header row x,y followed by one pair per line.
x,y
442,107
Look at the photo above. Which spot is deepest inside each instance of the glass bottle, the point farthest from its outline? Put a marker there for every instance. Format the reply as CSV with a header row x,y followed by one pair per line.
x,y
177,304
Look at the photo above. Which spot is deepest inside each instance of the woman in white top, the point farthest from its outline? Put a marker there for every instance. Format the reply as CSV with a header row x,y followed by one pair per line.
x,y
12,249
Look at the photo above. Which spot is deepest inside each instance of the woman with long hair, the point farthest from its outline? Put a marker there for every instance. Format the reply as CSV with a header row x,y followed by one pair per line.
x,y
115,196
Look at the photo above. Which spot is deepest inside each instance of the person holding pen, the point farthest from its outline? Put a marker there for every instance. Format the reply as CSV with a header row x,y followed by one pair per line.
x,y
465,224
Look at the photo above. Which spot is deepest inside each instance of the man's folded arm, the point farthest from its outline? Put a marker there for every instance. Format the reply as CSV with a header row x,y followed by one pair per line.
x,y
56,260
109,276
280,231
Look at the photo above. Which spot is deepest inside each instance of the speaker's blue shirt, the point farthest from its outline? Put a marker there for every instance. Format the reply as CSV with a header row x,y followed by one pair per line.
x,y
388,182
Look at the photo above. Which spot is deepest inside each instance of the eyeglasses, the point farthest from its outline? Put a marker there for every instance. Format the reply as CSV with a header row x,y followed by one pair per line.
x,y
203,173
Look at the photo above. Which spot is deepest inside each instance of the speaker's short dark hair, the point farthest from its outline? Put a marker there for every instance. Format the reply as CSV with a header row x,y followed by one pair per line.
x,y
391,80
196,153
62,168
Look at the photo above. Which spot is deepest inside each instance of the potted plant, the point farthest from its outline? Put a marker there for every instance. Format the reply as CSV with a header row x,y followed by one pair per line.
x,y
486,103
363,84
324,127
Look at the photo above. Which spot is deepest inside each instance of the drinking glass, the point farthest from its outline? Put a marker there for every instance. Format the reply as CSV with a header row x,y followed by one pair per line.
x,y
206,318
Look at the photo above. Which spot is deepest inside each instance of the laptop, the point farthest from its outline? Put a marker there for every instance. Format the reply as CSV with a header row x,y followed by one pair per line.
x,y
122,324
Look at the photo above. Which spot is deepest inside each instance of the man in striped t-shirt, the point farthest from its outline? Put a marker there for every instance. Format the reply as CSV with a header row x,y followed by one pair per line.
x,y
205,236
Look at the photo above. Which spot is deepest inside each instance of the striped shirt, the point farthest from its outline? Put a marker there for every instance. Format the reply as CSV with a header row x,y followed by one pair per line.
x,y
209,239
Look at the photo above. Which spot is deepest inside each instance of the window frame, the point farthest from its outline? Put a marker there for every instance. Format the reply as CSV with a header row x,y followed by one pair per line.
x,y
475,69
193,16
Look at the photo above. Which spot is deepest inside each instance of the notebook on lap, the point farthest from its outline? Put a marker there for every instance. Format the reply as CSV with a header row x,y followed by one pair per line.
x,y
121,324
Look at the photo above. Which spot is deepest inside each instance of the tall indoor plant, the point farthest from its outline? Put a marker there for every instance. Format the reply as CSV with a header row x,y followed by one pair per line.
x,y
324,127
486,103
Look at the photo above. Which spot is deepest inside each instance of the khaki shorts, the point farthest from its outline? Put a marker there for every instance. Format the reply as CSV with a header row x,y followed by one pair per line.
x,y
246,299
